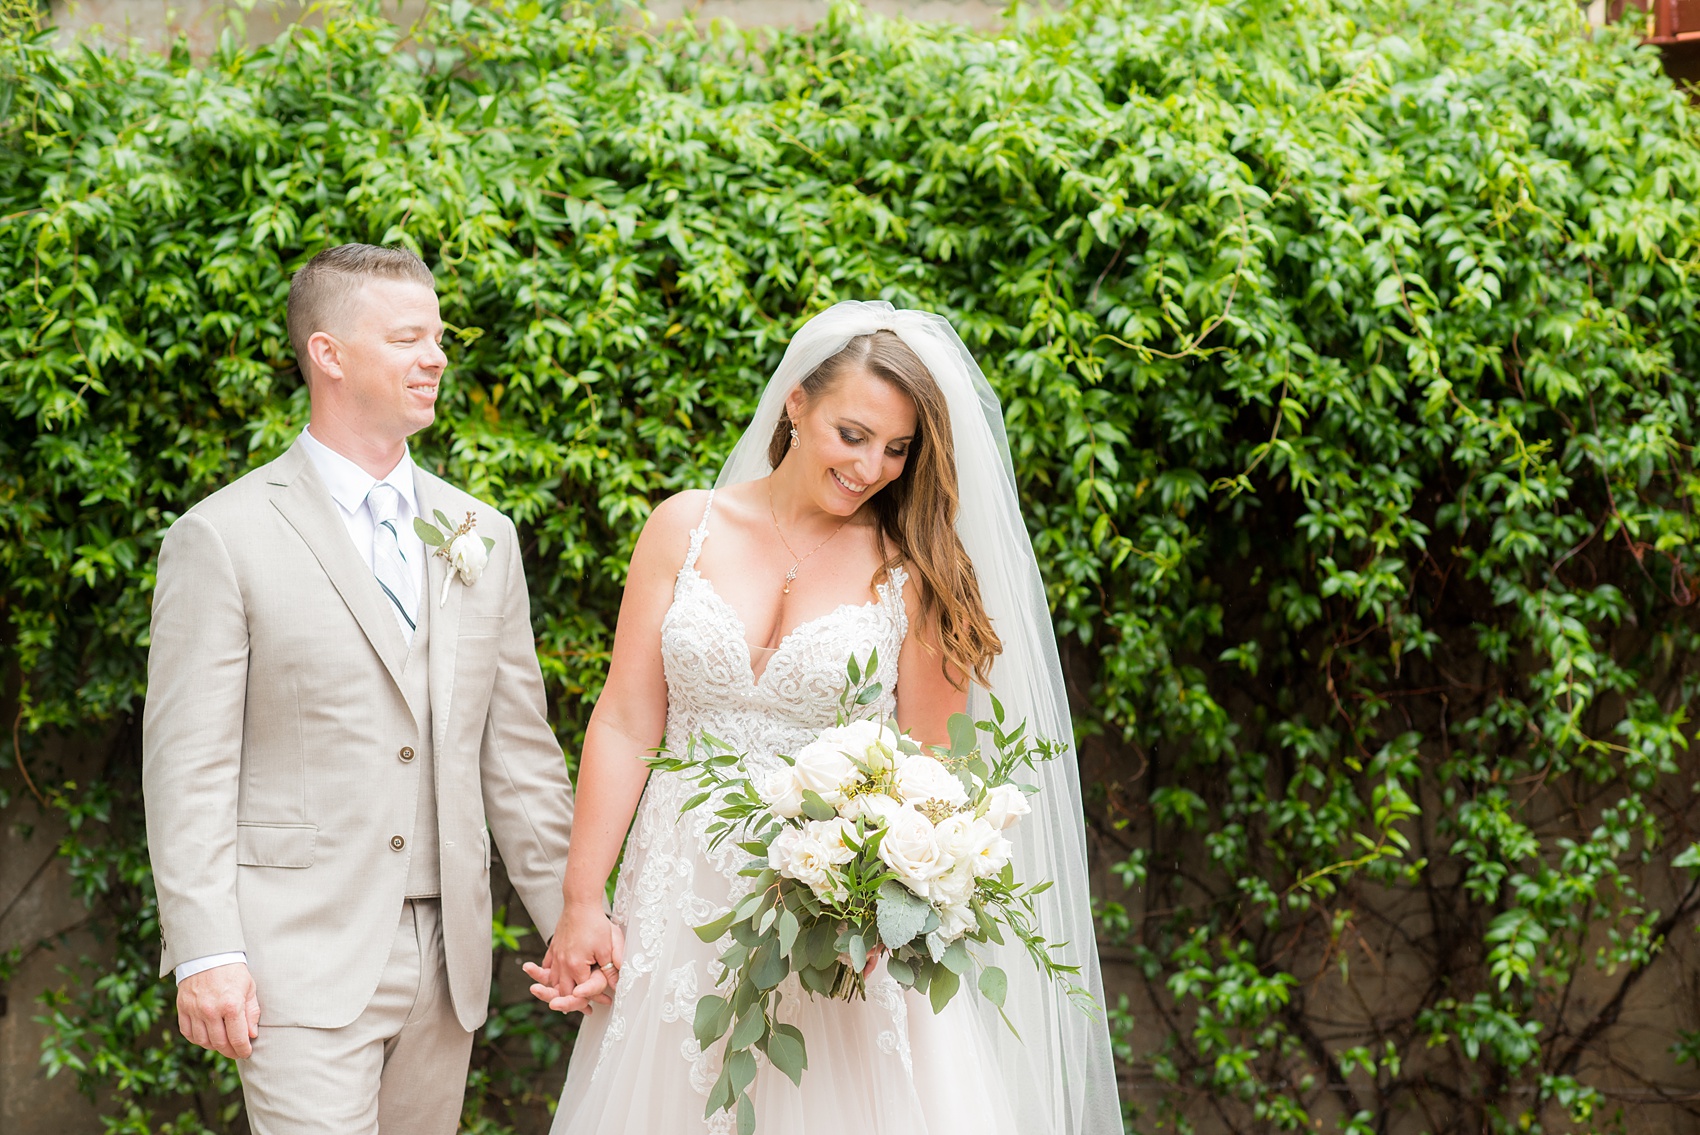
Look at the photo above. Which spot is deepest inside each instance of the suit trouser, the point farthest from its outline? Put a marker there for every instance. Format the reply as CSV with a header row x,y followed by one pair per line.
x,y
399,1068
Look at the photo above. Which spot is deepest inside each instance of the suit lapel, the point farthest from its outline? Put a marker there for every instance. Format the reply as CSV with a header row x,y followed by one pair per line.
x,y
445,616
307,505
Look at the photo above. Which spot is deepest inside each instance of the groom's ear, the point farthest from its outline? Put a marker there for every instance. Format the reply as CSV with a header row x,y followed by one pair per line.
x,y
324,355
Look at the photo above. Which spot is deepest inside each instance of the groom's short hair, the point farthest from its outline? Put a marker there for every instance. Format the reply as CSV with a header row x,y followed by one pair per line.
x,y
326,283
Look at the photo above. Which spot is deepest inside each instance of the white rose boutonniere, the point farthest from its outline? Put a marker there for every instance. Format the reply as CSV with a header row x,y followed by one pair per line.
x,y
467,552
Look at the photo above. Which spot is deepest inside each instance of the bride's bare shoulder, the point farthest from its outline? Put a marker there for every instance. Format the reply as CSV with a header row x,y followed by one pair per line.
x,y
743,499
667,533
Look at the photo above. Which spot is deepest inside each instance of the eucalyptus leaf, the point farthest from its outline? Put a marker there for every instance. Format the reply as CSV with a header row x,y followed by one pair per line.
x,y
787,1055
713,1017
943,988
816,808
751,1027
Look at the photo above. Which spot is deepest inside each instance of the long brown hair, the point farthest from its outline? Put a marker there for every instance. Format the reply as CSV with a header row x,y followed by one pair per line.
x,y
917,511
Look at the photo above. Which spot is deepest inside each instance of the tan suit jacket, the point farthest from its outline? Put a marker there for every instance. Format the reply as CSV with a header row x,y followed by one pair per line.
x,y
276,742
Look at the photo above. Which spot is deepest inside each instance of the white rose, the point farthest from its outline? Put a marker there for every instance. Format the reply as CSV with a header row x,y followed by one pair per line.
x,y
831,888
832,834
870,742
953,888
469,556
990,856
955,921
781,793
822,768
779,851
1005,805
956,837
874,808
812,863
911,849
973,844
923,778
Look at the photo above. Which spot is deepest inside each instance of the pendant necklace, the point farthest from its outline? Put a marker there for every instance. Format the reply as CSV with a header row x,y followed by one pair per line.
x,y
791,575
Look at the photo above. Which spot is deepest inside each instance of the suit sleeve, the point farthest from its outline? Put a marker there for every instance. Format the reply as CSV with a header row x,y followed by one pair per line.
x,y
192,742
528,799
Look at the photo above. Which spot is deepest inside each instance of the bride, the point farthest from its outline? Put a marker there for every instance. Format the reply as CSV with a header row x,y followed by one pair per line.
x,y
870,505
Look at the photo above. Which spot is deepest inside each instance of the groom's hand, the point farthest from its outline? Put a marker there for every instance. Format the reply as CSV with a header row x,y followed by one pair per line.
x,y
219,1009
582,965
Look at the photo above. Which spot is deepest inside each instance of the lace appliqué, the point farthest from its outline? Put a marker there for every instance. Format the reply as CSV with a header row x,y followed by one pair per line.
x,y
888,995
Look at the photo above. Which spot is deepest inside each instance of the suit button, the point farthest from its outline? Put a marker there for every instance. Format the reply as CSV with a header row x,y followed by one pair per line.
x,y
406,753
397,843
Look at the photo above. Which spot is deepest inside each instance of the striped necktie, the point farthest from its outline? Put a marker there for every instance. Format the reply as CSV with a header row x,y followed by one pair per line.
x,y
398,578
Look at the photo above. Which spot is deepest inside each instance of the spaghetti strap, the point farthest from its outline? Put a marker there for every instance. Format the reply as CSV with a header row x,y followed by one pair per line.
x,y
698,535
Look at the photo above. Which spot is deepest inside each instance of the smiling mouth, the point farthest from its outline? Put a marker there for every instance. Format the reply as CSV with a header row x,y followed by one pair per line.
x,y
855,488
424,388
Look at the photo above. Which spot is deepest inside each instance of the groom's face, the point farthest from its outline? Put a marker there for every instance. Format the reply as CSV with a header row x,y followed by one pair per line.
x,y
391,358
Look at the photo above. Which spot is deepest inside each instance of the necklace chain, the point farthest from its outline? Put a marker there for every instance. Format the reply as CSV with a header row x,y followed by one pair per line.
x,y
791,575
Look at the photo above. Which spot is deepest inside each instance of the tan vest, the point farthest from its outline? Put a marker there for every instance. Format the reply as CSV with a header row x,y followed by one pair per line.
x,y
424,874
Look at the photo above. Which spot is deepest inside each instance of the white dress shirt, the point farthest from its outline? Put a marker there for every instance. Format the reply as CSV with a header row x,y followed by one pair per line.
x,y
349,485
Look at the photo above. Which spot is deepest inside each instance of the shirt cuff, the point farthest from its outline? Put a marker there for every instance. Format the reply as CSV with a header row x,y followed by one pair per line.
x,y
211,961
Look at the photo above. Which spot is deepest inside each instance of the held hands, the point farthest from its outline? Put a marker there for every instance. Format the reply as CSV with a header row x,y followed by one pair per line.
x,y
219,1009
582,965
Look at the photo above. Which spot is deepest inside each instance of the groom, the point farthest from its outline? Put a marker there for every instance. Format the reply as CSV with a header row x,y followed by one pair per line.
x,y
337,723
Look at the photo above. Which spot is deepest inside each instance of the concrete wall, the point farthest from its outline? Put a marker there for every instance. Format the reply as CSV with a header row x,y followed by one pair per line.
x,y
39,913
156,23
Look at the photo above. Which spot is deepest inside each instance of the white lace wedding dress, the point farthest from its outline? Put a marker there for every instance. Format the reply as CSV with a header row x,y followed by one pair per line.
x,y
885,1065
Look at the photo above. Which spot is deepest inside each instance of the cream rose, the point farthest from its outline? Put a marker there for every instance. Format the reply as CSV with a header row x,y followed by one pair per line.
x,y
779,851
873,808
954,921
1005,805
923,778
957,836
469,557
912,850
834,835
811,862
781,793
870,742
954,887
823,769
973,844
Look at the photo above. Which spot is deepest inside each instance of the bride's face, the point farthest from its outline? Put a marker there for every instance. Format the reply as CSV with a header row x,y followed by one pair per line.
x,y
852,440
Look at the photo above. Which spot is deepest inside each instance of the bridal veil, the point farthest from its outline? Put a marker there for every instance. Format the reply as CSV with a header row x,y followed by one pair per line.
x,y
1059,1068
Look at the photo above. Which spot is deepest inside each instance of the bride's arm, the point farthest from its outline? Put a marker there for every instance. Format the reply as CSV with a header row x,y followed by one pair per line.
x,y
926,694
628,721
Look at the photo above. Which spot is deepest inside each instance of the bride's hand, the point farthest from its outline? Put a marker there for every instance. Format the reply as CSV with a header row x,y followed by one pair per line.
x,y
582,965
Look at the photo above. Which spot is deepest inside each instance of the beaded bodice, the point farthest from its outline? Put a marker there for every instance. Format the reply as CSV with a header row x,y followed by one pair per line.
x,y
712,684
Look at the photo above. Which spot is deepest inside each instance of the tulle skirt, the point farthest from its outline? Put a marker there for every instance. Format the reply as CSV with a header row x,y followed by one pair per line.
x,y
884,1065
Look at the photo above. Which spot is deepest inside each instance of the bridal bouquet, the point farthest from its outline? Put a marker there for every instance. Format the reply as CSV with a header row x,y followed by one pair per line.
x,y
863,841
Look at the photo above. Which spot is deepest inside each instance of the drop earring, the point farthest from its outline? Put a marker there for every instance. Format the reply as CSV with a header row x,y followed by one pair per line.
x,y
794,441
